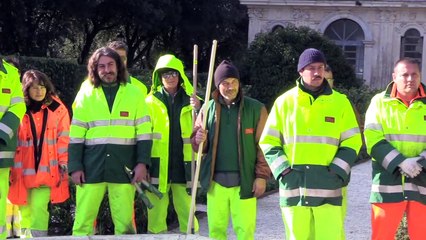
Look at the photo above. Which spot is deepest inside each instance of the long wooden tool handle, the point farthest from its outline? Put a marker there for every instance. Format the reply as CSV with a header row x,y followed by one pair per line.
x,y
190,228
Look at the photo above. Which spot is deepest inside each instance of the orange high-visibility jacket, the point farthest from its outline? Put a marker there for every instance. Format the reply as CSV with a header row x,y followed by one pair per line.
x,y
54,153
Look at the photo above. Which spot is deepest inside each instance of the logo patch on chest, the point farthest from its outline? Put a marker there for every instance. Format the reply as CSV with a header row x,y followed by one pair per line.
x,y
5,90
329,119
124,114
249,130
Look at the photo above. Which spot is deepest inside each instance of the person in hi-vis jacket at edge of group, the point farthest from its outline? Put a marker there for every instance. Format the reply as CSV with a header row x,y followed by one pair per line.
x,y
395,135
39,175
12,110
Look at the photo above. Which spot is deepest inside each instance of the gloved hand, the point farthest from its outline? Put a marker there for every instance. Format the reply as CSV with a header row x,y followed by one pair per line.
x,y
410,167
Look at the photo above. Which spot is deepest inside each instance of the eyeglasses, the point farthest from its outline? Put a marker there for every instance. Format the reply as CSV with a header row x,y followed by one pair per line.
x,y
169,74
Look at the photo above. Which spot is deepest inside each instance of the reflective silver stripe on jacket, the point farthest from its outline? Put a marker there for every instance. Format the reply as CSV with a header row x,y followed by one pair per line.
x,y
109,140
62,150
406,138
389,158
277,163
313,139
186,140
7,154
29,143
112,122
77,140
275,133
6,129
79,123
156,136
143,120
398,188
63,134
16,100
17,165
3,109
342,164
297,192
349,133
374,126
146,136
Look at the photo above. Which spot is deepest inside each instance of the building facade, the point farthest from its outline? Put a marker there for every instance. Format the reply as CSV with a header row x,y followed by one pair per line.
x,y
372,34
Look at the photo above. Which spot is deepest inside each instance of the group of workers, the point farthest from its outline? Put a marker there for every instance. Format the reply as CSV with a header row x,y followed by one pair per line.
x,y
121,134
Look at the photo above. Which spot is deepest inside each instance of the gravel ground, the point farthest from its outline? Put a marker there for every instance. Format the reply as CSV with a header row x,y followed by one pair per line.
x,y
357,225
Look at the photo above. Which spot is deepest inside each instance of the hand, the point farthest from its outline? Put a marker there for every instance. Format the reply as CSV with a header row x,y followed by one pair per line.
x,y
200,136
259,187
195,102
78,177
410,167
140,173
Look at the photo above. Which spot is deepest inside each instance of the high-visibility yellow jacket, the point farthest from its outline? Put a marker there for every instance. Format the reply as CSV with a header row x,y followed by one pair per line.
x,y
12,109
25,174
318,139
394,132
160,155
103,142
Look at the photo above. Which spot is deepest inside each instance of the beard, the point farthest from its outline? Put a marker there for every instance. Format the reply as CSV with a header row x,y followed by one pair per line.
x,y
108,77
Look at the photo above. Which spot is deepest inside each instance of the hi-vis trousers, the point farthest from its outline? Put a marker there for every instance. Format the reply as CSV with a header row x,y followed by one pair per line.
x,y
158,214
222,203
88,199
320,223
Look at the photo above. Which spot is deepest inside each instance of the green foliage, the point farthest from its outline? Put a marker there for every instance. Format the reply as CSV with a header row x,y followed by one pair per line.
x,y
271,62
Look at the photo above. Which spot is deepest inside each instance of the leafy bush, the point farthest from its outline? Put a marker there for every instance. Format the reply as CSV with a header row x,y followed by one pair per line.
x,y
271,62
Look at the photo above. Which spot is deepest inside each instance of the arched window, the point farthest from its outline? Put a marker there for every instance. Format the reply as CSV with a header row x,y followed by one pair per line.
x,y
277,27
349,36
412,44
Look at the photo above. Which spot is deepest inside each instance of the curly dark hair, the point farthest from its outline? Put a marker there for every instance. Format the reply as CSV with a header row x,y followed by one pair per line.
x,y
92,66
34,76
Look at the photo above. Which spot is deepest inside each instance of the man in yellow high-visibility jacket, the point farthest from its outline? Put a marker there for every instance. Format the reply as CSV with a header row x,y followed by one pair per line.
x,y
311,141
170,103
12,109
110,130
395,135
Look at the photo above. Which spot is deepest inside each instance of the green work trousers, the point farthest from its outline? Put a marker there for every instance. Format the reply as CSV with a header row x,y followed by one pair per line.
x,y
88,199
321,222
158,214
223,203
35,214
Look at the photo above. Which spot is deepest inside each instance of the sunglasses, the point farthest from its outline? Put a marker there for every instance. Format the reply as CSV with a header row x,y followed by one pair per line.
x,y
169,74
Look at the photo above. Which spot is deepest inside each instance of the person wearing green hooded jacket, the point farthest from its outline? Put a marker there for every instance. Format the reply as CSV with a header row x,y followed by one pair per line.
x,y
170,103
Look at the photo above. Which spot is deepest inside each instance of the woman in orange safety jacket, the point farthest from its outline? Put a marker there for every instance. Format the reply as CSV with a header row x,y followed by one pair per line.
x,y
39,174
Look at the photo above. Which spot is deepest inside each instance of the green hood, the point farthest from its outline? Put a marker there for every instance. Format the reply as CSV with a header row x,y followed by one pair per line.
x,y
172,62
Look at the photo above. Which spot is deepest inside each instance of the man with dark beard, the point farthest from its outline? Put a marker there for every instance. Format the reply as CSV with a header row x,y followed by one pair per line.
x,y
110,130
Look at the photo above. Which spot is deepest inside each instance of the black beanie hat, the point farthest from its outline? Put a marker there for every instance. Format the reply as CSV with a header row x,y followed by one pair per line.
x,y
310,55
225,70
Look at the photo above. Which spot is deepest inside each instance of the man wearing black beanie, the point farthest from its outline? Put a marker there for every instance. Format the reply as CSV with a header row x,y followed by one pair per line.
x,y
233,171
310,141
